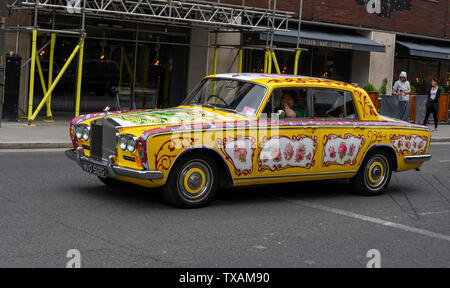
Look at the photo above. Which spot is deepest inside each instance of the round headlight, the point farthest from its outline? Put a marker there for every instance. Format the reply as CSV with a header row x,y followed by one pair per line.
x,y
123,143
79,132
131,147
85,134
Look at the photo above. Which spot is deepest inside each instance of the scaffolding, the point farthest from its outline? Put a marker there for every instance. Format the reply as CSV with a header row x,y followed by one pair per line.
x,y
212,15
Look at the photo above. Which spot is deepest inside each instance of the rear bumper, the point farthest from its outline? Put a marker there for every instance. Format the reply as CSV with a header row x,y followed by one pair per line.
x,y
113,170
417,158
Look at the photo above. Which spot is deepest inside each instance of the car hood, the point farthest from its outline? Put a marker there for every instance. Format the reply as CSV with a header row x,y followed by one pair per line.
x,y
174,116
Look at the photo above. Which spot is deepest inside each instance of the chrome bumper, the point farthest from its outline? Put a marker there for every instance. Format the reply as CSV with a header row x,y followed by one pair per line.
x,y
113,170
417,158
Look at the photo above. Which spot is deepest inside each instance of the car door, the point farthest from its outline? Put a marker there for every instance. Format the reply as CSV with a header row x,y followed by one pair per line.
x,y
341,139
286,148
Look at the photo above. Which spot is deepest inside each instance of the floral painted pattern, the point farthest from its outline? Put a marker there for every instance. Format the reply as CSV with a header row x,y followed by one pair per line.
x,y
341,150
239,152
409,144
281,152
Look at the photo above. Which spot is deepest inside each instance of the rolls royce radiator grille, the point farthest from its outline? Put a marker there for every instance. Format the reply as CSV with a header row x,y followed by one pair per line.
x,y
96,140
103,138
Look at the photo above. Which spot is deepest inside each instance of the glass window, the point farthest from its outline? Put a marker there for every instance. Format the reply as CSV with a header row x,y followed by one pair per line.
x,y
293,101
333,103
232,95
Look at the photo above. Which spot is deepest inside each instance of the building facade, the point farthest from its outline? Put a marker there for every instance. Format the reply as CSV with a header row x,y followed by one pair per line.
x,y
130,63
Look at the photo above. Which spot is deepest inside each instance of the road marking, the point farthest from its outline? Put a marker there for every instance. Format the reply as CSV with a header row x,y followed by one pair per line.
x,y
440,143
434,213
444,161
371,219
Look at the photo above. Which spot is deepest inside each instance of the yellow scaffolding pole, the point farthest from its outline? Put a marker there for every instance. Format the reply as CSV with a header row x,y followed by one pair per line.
x,y
122,51
275,62
214,73
266,60
50,77
79,78
297,57
269,64
33,67
41,75
240,60
51,88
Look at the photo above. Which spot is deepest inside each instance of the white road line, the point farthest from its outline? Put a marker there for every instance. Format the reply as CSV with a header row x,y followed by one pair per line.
x,y
444,161
372,220
434,213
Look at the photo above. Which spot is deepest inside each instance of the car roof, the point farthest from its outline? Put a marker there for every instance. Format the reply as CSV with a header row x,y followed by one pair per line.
x,y
281,79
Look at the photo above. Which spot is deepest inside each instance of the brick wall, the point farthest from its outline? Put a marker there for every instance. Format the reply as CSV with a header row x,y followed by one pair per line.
x,y
429,18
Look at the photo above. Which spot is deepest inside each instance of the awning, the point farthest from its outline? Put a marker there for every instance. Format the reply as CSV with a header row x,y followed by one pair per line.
x,y
426,50
344,40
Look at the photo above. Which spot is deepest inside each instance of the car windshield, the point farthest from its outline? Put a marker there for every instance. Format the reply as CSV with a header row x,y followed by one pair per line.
x,y
232,95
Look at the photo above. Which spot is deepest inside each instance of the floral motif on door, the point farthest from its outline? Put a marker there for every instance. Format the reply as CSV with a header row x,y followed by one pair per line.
x,y
409,144
341,150
281,152
239,152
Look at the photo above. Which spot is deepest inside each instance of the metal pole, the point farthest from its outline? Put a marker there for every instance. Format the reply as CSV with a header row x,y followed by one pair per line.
x,y
32,70
50,77
299,51
136,46
240,61
79,78
2,55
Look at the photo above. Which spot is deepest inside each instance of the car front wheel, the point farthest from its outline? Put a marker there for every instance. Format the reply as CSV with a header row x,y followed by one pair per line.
x,y
374,175
192,182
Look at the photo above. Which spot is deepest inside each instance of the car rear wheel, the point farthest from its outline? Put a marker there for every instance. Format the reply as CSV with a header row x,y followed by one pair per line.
x,y
192,182
374,175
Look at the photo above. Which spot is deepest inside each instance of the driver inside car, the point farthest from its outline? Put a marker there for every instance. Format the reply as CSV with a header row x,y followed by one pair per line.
x,y
289,107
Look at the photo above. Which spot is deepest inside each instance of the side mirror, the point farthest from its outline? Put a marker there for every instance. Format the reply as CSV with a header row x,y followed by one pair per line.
x,y
281,114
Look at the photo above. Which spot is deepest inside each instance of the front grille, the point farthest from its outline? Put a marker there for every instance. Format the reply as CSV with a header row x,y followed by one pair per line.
x,y
96,139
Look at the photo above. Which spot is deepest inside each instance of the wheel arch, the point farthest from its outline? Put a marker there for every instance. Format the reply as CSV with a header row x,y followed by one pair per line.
x,y
224,169
386,148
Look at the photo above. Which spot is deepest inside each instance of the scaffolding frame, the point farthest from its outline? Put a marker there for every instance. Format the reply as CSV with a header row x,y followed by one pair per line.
x,y
212,15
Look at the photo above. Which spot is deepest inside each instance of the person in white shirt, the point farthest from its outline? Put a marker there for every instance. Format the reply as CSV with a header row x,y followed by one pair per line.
x,y
402,88
433,103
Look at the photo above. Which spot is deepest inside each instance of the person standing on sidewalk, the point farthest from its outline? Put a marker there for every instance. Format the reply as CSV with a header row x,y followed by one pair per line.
x,y
402,88
433,103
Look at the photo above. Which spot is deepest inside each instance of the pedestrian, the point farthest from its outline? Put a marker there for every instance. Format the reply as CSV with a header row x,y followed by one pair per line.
x,y
433,103
402,88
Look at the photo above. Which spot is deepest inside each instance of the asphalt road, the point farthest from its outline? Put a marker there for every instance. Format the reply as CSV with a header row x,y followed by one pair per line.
x,y
49,206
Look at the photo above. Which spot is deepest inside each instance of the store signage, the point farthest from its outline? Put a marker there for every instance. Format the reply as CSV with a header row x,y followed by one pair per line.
x,y
384,8
322,43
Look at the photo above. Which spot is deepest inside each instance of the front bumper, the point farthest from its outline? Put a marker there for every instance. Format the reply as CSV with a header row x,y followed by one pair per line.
x,y
113,170
417,158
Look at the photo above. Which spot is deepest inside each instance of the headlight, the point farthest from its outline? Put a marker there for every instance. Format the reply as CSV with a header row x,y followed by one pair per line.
x,y
127,143
131,147
123,142
83,132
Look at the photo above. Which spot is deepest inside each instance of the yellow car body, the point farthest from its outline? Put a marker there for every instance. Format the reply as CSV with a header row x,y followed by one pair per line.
x,y
251,150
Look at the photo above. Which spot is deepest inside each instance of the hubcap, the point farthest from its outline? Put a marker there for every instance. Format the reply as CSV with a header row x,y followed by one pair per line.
x,y
195,180
376,172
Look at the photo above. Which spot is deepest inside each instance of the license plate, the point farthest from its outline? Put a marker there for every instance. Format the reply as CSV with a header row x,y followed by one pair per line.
x,y
98,170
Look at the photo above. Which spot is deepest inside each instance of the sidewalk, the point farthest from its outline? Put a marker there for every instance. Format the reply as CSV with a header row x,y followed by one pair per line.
x,y
14,135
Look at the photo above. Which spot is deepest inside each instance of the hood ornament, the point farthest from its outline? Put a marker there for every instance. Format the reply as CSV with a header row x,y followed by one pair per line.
x,y
106,110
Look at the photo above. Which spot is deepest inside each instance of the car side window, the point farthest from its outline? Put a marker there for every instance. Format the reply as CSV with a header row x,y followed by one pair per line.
x,y
333,103
293,101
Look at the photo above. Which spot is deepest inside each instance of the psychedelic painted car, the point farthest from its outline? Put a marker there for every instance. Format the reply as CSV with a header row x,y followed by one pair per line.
x,y
250,129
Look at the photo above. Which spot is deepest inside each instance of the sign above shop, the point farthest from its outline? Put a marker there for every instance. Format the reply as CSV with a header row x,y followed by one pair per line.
x,y
384,8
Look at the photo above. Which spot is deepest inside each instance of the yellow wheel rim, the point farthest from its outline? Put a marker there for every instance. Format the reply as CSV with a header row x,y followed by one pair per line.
x,y
194,180
376,171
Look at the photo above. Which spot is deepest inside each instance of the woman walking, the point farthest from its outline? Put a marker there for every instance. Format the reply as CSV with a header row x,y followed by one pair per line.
x,y
433,103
